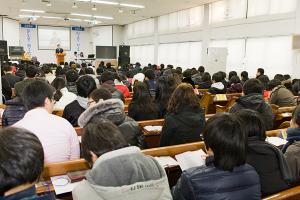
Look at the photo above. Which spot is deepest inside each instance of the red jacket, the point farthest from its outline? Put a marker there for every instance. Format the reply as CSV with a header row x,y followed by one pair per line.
x,y
124,89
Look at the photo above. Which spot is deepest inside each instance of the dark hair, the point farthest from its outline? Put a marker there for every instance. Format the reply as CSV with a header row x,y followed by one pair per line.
x,y
142,98
85,85
296,115
21,158
164,90
59,71
201,69
187,73
31,71
252,124
287,77
100,93
279,77
183,96
46,69
253,86
58,83
72,76
273,83
150,74
224,137
35,93
206,78
7,67
83,65
101,137
261,71
264,79
231,74
244,76
217,77
89,71
234,79
107,76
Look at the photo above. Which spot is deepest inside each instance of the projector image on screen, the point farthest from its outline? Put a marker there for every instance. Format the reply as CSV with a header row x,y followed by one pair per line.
x,y
49,37
106,52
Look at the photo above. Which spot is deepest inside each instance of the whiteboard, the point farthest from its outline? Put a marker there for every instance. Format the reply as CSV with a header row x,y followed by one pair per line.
x,y
50,36
217,59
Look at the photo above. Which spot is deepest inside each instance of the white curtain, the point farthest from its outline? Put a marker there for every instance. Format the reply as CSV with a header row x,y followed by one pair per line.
x,y
274,54
269,7
236,53
142,54
185,55
227,10
141,28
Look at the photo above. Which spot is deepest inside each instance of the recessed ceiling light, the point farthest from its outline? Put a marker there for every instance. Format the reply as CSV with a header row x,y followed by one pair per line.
x,y
29,16
74,19
51,17
33,11
120,10
103,17
74,5
83,15
131,5
94,8
105,2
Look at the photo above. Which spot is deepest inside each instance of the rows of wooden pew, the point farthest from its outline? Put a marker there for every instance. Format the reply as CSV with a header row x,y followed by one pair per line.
x,y
173,172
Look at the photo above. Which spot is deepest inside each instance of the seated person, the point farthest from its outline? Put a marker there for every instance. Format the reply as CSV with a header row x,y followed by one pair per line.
x,y
62,96
142,106
121,86
71,77
292,149
107,81
98,95
235,85
185,120
113,110
21,165
31,72
266,158
217,87
14,111
85,85
253,99
119,171
280,96
225,174
205,81
59,139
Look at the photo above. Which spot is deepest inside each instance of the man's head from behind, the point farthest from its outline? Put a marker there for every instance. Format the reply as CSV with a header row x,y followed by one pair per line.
x,y
85,85
38,94
21,159
31,71
72,76
253,86
260,71
7,68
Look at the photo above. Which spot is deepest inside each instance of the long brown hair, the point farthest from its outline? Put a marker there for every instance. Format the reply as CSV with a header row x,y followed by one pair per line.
x,y
183,96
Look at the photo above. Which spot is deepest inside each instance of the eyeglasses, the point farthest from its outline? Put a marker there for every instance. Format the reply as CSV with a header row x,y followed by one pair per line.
x,y
90,102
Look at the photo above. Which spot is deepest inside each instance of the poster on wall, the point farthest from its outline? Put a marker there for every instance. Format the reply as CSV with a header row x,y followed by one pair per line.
x,y
29,28
50,36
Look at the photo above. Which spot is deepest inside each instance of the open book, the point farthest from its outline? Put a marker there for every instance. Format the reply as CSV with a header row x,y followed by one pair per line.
x,y
276,141
185,160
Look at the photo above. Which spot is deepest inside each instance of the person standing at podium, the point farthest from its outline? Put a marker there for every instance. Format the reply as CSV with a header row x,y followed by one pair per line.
x,y
59,49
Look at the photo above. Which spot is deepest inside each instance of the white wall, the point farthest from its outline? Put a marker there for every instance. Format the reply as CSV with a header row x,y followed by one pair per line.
x,y
264,26
1,28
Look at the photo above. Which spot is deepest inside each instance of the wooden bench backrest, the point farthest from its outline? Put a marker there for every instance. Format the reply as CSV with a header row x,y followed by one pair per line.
x,y
58,112
289,194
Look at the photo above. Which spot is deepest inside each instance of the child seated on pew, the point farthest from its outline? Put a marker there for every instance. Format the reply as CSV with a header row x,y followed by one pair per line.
x,y
266,158
226,174
119,171
21,164
292,149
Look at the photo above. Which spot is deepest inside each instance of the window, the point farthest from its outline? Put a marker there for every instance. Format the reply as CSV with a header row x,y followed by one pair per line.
x,y
185,55
269,7
142,54
227,10
236,53
141,28
180,20
274,54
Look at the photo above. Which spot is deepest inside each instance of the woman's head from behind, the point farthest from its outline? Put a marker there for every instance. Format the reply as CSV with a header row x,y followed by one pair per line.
x,y
164,89
295,121
183,96
225,140
141,92
58,83
252,124
99,138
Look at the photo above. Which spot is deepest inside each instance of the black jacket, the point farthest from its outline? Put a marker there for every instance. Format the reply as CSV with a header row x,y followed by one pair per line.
x,y
72,112
255,102
140,116
210,183
29,194
184,127
266,159
12,79
14,111
204,85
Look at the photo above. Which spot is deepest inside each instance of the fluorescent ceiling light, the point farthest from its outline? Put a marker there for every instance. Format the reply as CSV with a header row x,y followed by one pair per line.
x,y
105,2
83,15
131,5
84,0
29,16
51,17
74,19
103,17
33,11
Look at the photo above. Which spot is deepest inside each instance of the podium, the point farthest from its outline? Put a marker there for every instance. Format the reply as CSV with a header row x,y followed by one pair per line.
x,y
60,58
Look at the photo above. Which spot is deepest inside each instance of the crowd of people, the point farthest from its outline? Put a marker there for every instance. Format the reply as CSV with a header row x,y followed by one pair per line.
x,y
240,164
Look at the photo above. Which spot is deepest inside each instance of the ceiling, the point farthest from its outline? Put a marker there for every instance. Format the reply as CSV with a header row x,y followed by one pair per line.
x,y
63,9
